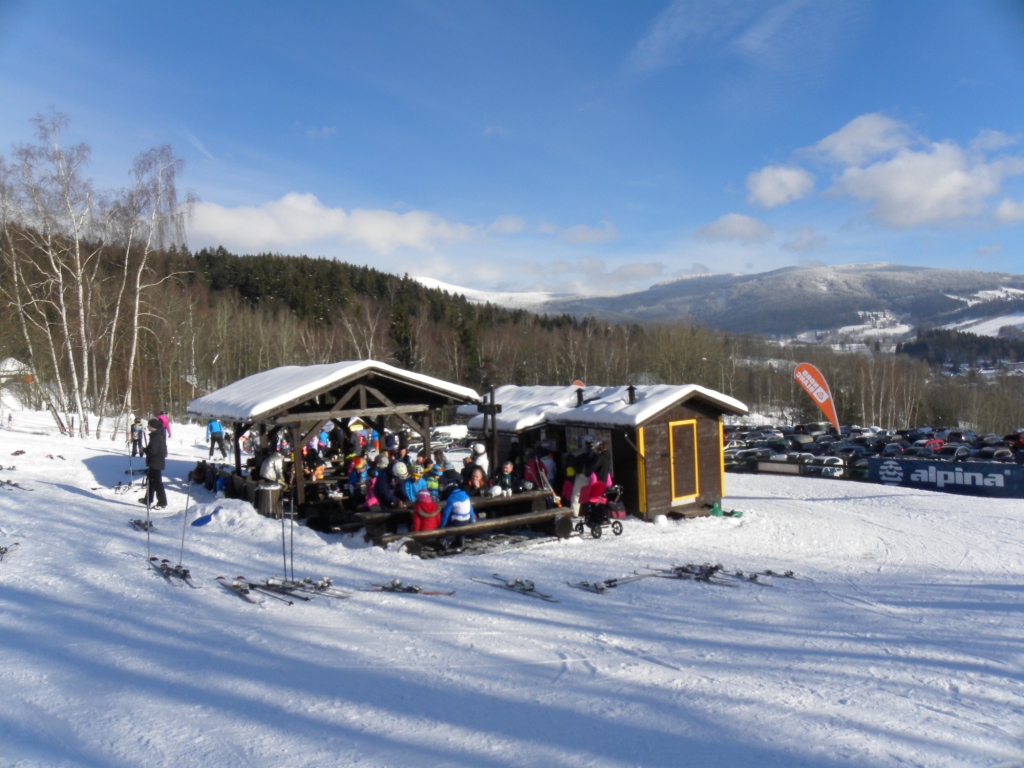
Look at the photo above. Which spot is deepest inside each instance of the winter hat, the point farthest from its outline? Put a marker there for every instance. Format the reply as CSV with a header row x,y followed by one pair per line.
x,y
155,424
417,471
359,465
437,469
382,462
424,496
478,448
401,471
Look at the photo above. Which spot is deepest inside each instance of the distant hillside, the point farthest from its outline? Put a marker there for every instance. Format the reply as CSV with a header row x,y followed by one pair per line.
x,y
797,299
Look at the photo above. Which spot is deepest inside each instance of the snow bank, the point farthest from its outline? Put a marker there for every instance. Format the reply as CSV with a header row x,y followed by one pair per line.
x,y
903,650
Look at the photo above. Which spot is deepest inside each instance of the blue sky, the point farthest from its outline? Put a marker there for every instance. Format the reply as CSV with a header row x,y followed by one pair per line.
x,y
571,146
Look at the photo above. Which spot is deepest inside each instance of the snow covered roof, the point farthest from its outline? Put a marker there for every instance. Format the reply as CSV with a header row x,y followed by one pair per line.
x,y
525,407
263,394
12,367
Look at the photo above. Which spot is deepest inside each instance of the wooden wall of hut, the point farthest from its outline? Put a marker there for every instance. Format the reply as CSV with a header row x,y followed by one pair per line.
x,y
682,476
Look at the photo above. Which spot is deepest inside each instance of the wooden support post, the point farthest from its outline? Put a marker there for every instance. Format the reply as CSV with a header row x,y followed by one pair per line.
x,y
297,466
426,435
494,438
237,437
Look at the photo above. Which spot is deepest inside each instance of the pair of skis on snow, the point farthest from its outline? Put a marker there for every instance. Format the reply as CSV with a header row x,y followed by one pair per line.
x,y
7,551
703,572
286,591
518,585
173,573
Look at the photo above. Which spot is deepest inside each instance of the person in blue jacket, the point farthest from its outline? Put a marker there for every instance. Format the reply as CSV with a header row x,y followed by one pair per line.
x,y
215,434
458,509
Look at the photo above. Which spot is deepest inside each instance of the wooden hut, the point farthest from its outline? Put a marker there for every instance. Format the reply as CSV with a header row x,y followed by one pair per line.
x,y
301,399
665,441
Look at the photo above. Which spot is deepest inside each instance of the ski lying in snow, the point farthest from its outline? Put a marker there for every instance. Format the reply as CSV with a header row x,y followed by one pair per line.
x,y
408,589
704,573
522,586
143,525
10,549
600,587
324,586
773,574
10,485
241,589
171,572
140,471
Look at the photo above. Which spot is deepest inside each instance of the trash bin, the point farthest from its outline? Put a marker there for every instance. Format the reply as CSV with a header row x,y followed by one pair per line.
x,y
268,500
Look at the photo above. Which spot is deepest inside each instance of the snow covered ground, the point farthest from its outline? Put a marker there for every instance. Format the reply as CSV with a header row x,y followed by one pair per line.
x,y
905,649
989,326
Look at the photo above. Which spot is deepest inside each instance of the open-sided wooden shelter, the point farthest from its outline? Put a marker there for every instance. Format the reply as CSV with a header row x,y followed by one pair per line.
x,y
665,441
301,399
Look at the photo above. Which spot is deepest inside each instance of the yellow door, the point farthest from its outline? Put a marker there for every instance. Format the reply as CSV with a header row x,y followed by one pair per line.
x,y
682,446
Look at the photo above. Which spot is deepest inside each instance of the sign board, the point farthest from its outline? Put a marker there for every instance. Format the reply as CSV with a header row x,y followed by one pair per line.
x,y
973,478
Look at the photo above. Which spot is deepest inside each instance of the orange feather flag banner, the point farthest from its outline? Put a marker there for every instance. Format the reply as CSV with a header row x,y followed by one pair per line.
x,y
810,378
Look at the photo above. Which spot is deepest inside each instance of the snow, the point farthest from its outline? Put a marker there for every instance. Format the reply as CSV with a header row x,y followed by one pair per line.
x,y
509,299
525,407
903,650
257,395
11,367
989,326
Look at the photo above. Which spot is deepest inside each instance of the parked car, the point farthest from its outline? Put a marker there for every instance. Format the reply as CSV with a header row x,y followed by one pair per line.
x,y
953,452
992,454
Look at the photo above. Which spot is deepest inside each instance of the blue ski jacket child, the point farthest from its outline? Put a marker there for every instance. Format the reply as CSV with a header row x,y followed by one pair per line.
x,y
458,509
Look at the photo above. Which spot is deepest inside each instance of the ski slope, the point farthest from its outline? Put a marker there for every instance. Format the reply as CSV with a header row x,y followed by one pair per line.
x,y
905,649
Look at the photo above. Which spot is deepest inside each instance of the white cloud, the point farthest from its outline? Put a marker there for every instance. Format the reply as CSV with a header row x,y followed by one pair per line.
x,y
989,141
296,219
797,36
777,185
323,132
804,241
931,186
195,142
581,233
1009,212
547,228
506,225
988,250
865,138
735,226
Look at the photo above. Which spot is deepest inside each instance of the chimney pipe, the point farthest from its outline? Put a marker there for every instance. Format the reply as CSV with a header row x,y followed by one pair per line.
x,y
579,397
632,394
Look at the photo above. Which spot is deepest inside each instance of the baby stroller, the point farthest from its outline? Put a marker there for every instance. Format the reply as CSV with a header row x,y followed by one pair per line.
x,y
596,513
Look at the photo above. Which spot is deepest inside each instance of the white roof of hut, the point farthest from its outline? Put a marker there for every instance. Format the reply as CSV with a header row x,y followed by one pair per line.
x,y
525,407
264,393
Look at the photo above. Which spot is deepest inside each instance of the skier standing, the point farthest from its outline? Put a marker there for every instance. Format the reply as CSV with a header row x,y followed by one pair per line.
x,y
156,459
138,435
165,422
215,434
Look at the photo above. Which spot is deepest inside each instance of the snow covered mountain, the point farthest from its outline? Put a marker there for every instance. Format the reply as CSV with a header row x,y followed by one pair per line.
x,y
509,299
794,300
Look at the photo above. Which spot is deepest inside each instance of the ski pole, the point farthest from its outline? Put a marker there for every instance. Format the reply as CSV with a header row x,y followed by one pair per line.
x,y
291,527
188,498
284,551
149,500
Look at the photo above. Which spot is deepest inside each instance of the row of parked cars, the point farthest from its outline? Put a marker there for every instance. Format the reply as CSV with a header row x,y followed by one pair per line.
x,y
819,445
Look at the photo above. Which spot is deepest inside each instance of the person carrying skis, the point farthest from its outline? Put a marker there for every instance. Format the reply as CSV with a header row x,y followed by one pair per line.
x,y
138,436
215,434
156,458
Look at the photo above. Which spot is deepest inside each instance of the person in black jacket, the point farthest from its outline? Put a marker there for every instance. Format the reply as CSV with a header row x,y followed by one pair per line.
x,y
156,459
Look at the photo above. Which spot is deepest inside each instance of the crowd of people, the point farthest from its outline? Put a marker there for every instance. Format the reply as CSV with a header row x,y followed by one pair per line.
x,y
377,473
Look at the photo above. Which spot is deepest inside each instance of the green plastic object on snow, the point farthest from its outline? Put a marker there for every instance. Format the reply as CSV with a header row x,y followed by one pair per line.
x,y
716,511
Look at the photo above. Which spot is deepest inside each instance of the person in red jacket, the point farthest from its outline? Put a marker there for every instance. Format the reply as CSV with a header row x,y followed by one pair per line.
x,y
426,515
